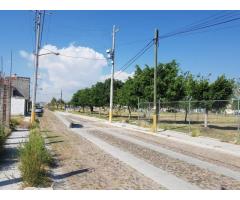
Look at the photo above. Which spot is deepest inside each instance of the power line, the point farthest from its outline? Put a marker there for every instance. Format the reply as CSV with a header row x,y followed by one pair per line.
x,y
192,29
203,21
80,57
208,22
133,42
42,27
134,58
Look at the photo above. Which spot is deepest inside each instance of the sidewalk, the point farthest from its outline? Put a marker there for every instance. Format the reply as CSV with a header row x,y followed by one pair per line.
x,y
9,173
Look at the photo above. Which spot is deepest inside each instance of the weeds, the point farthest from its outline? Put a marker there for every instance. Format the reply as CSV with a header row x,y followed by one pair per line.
x,y
2,138
14,122
34,125
34,160
4,132
195,132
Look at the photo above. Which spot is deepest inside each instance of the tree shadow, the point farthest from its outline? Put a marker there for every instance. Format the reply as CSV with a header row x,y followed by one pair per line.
x,y
174,128
227,128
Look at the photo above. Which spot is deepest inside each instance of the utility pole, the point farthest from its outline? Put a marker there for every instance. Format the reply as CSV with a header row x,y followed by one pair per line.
x,y
1,66
155,110
61,99
111,55
38,32
10,89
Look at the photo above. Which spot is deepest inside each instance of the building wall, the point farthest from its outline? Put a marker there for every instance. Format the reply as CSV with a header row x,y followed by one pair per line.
x,y
1,101
4,102
18,106
22,84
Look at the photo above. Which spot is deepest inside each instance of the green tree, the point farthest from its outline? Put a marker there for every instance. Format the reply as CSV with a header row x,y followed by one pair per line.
x,y
221,89
207,94
127,95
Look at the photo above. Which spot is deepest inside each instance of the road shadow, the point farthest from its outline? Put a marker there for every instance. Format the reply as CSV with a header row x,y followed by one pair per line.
x,y
10,181
21,130
8,157
75,125
68,174
11,138
15,143
54,136
53,142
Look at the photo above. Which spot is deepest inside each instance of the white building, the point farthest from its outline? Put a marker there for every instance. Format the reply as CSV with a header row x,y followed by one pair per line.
x,y
19,106
20,98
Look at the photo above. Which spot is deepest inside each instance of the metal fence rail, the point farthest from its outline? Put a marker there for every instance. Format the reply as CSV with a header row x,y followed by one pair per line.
x,y
221,114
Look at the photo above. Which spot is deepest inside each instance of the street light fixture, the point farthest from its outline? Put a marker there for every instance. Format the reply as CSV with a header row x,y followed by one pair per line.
x,y
33,114
53,53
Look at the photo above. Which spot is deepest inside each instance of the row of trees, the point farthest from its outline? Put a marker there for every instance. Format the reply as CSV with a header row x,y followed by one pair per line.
x,y
172,85
56,103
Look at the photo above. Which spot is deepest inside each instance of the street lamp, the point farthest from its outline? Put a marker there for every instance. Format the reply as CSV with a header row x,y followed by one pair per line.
x,y
33,115
54,53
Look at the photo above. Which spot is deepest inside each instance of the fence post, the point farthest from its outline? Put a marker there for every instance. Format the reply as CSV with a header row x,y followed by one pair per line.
x,y
138,110
159,109
149,110
189,115
238,116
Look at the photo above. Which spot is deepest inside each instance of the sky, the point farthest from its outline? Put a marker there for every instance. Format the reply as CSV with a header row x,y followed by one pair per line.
x,y
88,34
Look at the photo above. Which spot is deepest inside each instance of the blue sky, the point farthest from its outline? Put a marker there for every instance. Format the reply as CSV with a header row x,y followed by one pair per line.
x,y
215,52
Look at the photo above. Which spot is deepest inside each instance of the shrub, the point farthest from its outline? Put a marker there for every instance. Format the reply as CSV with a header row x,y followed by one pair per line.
x,y
2,138
14,122
34,125
34,159
195,132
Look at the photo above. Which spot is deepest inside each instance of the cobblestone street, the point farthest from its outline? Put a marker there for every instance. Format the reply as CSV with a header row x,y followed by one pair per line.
x,y
87,156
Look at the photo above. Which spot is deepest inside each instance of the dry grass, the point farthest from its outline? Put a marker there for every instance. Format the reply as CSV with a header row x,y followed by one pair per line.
x,y
18,121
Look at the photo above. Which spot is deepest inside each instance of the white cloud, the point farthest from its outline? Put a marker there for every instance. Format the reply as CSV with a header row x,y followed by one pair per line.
x,y
120,75
67,73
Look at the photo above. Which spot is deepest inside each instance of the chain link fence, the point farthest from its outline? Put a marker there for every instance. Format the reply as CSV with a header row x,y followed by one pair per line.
x,y
218,115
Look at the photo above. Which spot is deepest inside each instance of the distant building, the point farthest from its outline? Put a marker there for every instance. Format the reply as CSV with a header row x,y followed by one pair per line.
x,y
4,102
20,98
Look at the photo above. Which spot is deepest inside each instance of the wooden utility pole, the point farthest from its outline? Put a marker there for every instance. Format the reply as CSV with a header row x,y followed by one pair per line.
x,y
112,57
61,99
155,110
38,36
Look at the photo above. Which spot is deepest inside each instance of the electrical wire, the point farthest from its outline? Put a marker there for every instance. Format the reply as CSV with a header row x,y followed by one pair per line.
x,y
79,57
42,27
134,58
196,28
208,22
203,21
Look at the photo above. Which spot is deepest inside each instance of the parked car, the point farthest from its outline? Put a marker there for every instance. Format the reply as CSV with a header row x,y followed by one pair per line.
x,y
39,111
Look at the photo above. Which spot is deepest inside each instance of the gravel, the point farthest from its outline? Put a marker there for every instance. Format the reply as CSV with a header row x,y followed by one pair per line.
x,y
202,178
168,144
